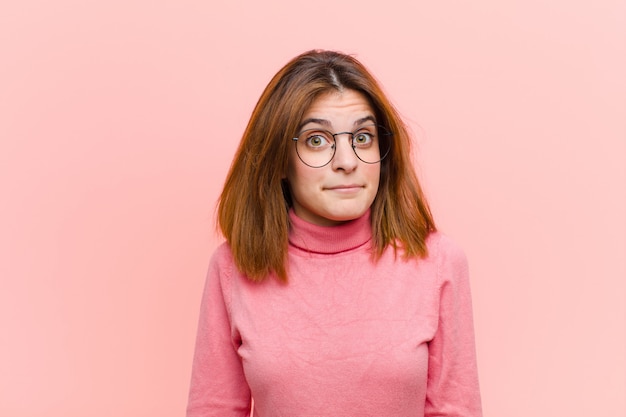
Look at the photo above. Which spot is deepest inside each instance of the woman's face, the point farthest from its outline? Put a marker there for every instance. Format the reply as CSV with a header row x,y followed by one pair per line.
x,y
345,188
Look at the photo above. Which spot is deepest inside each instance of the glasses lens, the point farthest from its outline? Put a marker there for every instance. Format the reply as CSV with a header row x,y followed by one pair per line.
x,y
315,147
371,143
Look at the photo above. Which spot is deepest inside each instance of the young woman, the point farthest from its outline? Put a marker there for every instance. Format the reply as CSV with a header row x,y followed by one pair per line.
x,y
334,295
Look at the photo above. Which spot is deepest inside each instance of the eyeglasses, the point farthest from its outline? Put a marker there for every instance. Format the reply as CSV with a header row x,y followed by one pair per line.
x,y
316,147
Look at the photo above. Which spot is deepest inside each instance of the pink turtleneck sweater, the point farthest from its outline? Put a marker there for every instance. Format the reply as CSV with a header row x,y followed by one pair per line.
x,y
345,337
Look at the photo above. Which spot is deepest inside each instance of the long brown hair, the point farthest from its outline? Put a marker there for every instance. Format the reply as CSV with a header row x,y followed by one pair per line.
x,y
252,210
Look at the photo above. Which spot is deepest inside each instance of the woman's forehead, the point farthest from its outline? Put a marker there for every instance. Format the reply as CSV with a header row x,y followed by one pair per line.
x,y
333,107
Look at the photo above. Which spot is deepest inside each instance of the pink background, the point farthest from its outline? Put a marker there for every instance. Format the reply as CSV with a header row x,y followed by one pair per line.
x,y
118,121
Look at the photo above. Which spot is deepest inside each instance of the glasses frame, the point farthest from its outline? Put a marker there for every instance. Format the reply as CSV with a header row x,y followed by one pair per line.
x,y
381,131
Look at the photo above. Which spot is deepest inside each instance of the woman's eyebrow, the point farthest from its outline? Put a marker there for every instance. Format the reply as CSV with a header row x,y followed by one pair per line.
x,y
365,119
322,122
328,124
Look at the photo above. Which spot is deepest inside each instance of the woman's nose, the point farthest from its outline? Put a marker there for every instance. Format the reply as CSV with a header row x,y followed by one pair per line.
x,y
344,158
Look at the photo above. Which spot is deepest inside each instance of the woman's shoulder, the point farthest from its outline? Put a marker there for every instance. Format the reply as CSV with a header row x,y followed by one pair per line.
x,y
223,252
221,260
223,264
445,249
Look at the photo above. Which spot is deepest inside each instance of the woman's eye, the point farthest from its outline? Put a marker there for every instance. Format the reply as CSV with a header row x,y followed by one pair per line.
x,y
363,138
316,141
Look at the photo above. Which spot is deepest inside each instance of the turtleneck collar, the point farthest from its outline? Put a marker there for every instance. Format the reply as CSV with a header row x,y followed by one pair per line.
x,y
329,239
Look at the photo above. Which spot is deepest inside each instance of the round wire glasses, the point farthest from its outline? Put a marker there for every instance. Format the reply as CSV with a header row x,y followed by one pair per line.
x,y
316,147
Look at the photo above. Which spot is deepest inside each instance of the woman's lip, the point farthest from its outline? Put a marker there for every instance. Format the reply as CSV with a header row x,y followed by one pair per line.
x,y
347,187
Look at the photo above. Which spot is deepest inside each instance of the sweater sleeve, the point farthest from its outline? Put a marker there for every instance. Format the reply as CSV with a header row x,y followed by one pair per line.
x,y
218,386
452,387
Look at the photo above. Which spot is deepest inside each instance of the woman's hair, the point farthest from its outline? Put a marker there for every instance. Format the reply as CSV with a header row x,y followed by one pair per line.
x,y
253,207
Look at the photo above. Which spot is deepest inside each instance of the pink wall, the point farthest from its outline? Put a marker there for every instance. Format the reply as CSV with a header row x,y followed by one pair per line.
x,y
118,121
